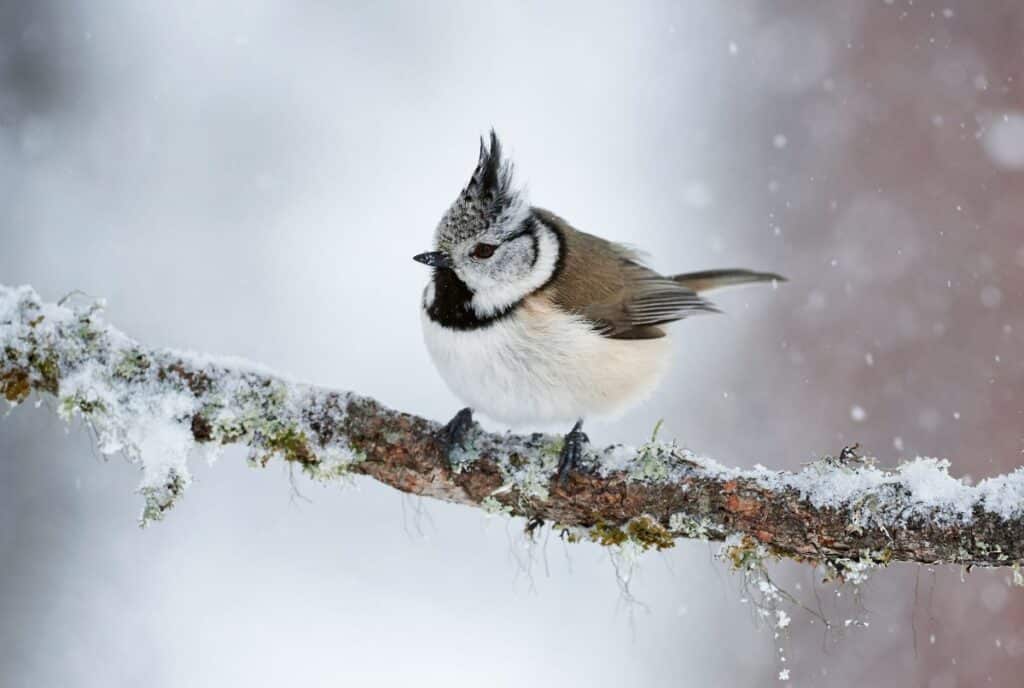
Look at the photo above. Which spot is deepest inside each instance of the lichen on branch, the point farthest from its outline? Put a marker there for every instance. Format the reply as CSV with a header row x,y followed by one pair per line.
x,y
163,408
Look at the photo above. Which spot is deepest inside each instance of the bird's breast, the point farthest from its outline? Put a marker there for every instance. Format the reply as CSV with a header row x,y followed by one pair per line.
x,y
540,364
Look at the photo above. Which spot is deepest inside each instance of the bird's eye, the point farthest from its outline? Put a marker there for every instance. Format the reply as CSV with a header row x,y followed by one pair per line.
x,y
483,251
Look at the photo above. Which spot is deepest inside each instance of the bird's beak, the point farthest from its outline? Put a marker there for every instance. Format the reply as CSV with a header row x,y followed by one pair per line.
x,y
435,259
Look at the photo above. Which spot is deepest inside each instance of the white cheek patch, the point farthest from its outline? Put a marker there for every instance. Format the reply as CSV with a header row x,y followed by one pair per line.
x,y
429,294
509,289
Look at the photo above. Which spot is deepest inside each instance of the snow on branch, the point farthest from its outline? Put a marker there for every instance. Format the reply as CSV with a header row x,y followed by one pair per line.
x,y
162,408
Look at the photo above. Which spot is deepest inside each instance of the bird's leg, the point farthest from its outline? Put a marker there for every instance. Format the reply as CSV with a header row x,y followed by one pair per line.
x,y
572,451
454,433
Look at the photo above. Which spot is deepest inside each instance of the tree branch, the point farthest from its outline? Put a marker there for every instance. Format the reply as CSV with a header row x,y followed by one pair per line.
x,y
161,407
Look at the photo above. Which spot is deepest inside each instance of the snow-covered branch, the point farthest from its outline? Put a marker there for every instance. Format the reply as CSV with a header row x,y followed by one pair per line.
x,y
162,408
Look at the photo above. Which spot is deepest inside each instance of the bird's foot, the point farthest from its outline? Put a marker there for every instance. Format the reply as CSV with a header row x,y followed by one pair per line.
x,y
453,435
572,451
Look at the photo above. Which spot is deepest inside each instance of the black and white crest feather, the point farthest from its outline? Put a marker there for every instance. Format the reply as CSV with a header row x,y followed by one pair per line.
x,y
489,200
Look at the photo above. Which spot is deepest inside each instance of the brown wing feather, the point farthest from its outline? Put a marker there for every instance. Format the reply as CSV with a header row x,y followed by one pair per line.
x,y
607,284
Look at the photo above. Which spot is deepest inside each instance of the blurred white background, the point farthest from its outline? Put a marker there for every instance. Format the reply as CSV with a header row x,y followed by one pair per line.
x,y
253,177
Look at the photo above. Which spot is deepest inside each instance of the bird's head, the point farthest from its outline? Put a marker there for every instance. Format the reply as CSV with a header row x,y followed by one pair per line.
x,y
491,240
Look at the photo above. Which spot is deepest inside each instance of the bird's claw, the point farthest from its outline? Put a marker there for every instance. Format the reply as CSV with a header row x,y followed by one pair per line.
x,y
455,432
572,452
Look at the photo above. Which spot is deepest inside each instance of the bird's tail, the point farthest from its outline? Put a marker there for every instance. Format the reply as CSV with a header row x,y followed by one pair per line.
x,y
715,279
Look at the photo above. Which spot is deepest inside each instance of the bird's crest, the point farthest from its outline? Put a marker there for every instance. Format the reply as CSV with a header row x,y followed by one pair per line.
x,y
489,200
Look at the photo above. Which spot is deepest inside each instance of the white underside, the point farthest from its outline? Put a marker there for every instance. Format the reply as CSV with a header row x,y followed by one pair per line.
x,y
541,365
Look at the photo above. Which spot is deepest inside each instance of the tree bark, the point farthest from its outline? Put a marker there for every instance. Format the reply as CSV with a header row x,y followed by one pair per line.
x,y
649,496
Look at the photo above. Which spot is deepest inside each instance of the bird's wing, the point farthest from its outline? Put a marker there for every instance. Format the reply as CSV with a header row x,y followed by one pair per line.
x,y
607,284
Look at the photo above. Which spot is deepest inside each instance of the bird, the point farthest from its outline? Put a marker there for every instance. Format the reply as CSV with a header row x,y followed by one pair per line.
x,y
532,321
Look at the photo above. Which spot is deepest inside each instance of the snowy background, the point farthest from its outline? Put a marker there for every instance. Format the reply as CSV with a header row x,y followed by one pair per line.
x,y
252,178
